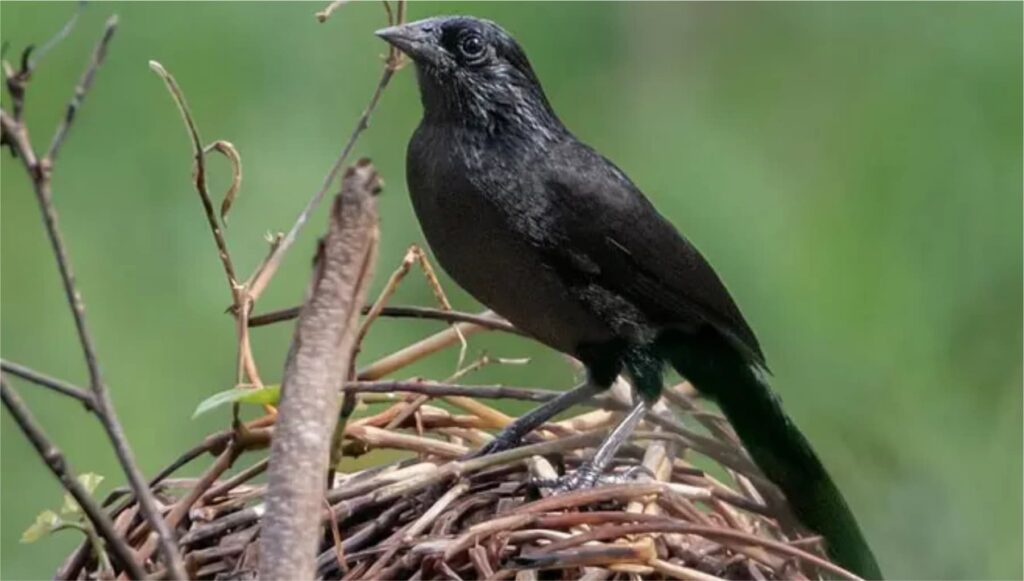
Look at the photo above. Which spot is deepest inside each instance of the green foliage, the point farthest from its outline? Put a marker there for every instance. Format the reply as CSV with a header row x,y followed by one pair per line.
x,y
46,522
70,516
268,394
89,481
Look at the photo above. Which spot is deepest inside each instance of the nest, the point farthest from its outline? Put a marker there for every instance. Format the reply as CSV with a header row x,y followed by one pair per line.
x,y
439,515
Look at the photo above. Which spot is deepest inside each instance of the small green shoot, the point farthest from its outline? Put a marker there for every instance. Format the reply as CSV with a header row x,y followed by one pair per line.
x,y
268,395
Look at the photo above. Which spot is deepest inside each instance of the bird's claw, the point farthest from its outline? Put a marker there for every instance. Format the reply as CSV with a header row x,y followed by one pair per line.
x,y
586,476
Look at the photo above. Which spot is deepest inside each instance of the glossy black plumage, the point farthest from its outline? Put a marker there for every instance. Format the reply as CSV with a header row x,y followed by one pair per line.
x,y
554,237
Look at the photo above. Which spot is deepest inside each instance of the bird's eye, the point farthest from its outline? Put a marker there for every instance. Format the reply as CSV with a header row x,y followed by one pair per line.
x,y
472,46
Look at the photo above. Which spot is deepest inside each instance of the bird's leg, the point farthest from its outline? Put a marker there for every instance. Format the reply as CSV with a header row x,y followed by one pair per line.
x,y
514,432
588,474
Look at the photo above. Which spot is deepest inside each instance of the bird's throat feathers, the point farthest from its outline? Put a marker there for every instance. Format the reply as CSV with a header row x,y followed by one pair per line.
x,y
500,101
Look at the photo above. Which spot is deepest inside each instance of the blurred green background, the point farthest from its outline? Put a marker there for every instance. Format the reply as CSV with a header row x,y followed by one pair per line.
x,y
853,171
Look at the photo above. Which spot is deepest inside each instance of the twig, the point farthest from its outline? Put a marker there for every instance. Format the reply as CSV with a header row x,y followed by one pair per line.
x,y
339,547
15,135
432,389
379,438
419,350
277,316
17,81
428,517
240,296
413,255
37,55
198,155
324,14
594,554
217,441
318,362
84,84
55,384
181,508
403,482
55,461
616,531
244,294
484,319
258,282
681,572
231,483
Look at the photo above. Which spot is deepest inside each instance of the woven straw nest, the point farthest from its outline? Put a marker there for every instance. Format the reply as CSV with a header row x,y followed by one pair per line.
x,y
434,516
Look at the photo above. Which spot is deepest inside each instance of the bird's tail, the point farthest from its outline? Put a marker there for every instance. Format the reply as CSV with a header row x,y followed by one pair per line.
x,y
775,443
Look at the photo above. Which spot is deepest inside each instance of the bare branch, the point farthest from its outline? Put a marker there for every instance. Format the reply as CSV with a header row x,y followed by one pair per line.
x,y
413,255
419,350
485,319
180,509
324,14
199,158
53,383
612,531
260,279
15,135
241,298
318,362
55,461
84,84
432,389
37,55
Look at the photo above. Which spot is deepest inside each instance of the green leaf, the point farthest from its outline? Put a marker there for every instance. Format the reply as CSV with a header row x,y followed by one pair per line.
x,y
47,522
89,481
269,394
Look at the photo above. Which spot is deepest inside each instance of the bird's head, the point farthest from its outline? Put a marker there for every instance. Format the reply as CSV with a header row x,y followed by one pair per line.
x,y
471,70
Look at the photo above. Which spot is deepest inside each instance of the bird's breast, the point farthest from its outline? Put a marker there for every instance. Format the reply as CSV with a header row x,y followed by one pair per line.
x,y
475,228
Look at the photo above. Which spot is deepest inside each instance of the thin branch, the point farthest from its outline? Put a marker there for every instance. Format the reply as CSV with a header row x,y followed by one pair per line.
x,y
15,135
57,464
432,389
418,351
277,316
60,35
318,362
199,158
230,484
60,386
261,278
485,319
668,526
324,14
181,508
413,255
241,298
84,84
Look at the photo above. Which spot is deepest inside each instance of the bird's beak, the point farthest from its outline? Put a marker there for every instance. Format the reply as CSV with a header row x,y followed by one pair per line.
x,y
412,39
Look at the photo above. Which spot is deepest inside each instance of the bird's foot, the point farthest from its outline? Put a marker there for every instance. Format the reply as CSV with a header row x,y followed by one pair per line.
x,y
588,476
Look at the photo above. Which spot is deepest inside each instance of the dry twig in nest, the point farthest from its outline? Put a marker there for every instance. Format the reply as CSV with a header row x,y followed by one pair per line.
x,y
434,515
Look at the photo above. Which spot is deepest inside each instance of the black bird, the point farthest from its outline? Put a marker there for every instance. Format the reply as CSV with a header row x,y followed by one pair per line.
x,y
552,236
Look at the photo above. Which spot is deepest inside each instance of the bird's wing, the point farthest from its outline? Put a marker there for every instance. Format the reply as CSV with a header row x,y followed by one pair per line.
x,y
605,231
